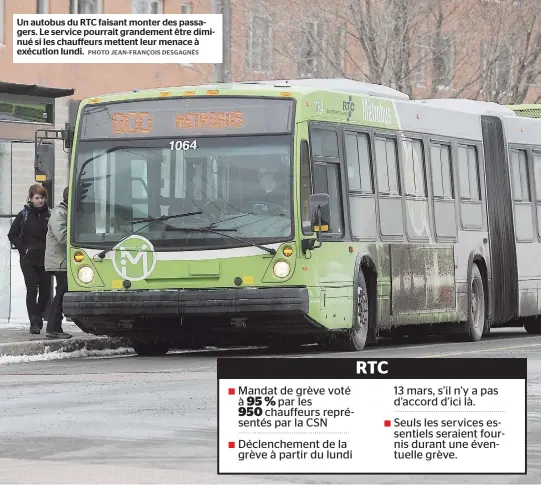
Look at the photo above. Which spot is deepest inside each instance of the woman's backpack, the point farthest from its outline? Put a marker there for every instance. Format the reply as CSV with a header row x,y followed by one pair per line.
x,y
26,210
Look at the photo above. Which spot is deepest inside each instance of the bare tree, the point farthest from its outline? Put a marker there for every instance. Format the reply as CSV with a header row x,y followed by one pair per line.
x,y
481,49
392,38
516,61
386,42
289,40
502,60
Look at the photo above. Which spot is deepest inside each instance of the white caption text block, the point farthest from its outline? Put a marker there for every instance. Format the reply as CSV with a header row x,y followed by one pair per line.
x,y
114,39
371,426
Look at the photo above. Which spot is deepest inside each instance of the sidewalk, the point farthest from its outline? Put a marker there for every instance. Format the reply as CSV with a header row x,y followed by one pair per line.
x,y
16,340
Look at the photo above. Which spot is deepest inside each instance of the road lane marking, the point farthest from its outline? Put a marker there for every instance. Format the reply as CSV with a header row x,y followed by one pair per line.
x,y
496,349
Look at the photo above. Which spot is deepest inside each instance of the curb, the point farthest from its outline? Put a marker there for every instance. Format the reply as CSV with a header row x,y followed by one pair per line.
x,y
73,344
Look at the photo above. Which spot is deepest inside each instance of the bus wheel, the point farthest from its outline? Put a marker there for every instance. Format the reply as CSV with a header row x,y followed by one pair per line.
x,y
150,349
354,339
476,300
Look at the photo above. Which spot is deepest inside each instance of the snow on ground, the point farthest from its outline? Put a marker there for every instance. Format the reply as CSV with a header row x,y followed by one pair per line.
x,y
13,326
99,354
23,323
77,354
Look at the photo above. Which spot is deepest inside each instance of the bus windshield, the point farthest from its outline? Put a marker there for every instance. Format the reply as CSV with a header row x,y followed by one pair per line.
x,y
239,184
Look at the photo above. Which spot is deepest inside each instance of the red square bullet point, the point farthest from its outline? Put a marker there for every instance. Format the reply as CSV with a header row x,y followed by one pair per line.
x,y
387,423
231,391
231,444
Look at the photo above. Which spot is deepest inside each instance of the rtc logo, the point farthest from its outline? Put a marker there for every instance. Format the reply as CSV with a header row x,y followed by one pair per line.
x,y
348,106
134,258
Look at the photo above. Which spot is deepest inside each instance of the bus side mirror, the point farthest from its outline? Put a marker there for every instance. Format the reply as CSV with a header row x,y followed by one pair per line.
x,y
320,216
68,134
44,162
320,212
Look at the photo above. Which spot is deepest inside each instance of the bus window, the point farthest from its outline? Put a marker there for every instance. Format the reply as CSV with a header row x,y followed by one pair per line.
x,y
537,180
468,173
352,157
359,163
537,174
522,196
442,175
195,172
387,167
519,171
139,187
165,183
324,143
414,168
180,177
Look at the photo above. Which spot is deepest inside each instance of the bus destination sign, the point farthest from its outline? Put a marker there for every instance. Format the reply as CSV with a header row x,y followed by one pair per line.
x,y
220,119
192,117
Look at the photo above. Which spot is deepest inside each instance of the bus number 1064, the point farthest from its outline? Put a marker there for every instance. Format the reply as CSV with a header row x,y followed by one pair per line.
x,y
183,145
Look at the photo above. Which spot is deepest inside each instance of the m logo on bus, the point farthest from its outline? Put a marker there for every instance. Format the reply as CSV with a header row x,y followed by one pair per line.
x,y
134,258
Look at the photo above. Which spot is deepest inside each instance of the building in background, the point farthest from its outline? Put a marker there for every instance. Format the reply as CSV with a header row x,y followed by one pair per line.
x,y
23,110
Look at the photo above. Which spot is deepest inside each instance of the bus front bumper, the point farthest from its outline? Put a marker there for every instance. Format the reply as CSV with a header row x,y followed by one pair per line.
x,y
241,302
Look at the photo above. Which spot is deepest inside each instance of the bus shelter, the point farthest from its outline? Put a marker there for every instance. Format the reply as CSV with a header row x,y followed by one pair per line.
x,y
24,108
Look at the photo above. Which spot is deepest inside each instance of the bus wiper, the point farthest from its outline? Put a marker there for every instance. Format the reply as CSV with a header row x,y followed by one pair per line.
x,y
151,220
244,214
215,223
214,231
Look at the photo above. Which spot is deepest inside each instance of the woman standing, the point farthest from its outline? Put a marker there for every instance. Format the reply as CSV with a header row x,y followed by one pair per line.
x,y
28,235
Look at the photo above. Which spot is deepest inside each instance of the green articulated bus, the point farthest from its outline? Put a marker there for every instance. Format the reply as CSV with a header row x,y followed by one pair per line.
x,y
287,212
527,110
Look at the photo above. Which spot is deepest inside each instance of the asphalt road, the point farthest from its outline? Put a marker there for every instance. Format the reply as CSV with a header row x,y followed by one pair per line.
x,y
153,420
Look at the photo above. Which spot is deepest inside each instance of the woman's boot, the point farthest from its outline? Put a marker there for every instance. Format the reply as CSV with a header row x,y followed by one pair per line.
x,y
36,324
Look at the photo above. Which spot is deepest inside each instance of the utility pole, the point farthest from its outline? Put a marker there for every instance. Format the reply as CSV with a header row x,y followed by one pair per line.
x,y
222,72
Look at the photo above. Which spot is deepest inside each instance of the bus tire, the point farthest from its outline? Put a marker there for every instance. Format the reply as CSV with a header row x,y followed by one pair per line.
x,y
354,339
147,349
476,306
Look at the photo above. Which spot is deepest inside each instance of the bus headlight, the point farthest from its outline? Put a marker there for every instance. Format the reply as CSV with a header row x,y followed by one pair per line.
x,y
85,274
281,269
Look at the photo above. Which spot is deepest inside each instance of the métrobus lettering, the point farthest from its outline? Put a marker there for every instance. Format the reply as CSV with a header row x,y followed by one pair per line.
x,y
233,119
375,112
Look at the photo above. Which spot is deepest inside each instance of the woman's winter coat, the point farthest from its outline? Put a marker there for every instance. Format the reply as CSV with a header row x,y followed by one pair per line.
x,y
31,242
55,255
